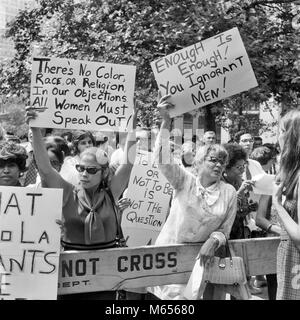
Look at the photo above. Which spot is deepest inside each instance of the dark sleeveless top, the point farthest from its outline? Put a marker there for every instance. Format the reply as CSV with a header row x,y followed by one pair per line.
x,y
89,224
291,207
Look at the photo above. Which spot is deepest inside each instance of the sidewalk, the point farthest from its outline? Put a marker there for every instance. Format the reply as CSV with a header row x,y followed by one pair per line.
x,y
262,296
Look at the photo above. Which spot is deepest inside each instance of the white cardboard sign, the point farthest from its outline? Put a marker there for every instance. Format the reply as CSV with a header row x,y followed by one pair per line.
x,y
29,242
75,94
149,193
205,72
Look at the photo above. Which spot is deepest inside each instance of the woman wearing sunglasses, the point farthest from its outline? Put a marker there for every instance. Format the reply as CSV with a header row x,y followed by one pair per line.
x,y
90,218
204,206
81,141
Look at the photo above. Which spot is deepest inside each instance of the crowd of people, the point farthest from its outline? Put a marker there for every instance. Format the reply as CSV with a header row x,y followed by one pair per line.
x,y
213,198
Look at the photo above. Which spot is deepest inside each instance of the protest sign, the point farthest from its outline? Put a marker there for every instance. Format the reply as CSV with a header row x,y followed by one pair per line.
x,y
29,242
264,184
206,72
127,268
75,94
149,193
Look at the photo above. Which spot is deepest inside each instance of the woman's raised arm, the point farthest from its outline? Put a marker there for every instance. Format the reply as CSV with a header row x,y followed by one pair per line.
x,y
120,179
49,175
162,152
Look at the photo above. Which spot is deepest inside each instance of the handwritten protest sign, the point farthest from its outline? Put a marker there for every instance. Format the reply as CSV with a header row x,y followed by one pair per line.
x,y
74,94
29,242
205,72
149,193
264,184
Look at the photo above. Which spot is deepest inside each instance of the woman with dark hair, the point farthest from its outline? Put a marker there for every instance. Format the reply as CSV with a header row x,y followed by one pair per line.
x,y
90,218
12,163
81,141
233,174
286,200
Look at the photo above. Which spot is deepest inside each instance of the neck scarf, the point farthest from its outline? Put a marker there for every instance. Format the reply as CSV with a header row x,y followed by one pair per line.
x,y
210,194
100,217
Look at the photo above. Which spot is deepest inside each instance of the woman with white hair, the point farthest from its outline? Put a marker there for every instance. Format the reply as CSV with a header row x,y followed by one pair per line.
x,y
204,206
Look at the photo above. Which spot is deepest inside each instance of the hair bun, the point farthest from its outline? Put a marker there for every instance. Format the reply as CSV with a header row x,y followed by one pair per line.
x,y
102,157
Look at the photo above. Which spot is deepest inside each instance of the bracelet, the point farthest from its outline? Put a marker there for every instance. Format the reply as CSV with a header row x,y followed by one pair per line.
x,y
269,227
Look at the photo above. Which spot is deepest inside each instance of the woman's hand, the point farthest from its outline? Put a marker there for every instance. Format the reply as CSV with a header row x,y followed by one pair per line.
x,y
207,251
277,195
61,226
247,185
252,206
136,107
163,106
276,229
30,114
123,204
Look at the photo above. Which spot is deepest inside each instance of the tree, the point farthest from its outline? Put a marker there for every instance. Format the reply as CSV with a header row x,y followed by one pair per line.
x,y
138,32
14,117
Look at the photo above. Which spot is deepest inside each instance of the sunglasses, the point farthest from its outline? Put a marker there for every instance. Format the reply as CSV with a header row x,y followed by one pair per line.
x,y
89,170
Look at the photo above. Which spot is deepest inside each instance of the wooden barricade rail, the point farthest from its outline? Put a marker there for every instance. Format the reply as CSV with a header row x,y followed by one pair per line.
x,y
125,268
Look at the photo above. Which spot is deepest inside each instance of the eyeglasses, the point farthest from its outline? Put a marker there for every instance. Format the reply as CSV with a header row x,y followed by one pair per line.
x,y
215,160
247,140
89,170
241,167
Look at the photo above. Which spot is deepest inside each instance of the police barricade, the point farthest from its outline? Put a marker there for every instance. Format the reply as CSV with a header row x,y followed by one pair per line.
x,y
126,268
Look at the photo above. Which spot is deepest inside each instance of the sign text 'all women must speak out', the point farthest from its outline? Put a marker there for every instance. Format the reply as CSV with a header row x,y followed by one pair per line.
x,y
75,94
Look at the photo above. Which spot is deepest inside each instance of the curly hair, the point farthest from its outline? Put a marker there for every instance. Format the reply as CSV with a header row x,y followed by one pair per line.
x,y
262,154
11,151
80,135
235,153
204,151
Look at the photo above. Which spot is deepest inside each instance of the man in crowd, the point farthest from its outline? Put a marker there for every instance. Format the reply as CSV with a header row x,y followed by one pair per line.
x,y
258,142
209,137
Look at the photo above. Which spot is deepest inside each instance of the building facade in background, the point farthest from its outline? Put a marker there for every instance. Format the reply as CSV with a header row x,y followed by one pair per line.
x,y
8,10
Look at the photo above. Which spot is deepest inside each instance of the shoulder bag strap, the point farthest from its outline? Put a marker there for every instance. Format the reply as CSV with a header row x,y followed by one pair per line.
x,y
119,234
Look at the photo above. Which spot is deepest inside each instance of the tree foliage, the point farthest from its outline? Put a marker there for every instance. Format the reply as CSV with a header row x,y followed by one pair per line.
x,y
138,32
13,118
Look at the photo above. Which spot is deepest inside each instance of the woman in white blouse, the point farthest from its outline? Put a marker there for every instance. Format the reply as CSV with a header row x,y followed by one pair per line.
x,y
204,207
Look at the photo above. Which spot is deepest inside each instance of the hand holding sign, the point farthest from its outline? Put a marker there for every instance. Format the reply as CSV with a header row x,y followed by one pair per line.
x,y
205,72
247,185
30,114
75,94
163,106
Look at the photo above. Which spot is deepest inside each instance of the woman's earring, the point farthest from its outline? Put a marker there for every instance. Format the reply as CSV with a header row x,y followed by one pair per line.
x,y
21,174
